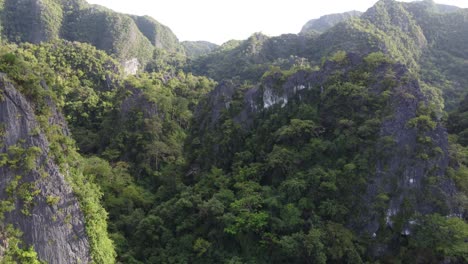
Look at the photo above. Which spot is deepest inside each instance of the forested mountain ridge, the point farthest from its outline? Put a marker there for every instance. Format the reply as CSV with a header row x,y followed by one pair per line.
x,y
323,23
127,37
195,49
357,142
405,31
347,145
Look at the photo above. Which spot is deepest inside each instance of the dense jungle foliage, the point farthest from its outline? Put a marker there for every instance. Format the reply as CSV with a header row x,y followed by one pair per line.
x,y
267,150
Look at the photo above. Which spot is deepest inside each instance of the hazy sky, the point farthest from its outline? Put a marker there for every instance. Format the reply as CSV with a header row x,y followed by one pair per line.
x,y
221,20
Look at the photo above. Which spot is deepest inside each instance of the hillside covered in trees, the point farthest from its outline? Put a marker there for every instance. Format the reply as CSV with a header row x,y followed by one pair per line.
x,y
345,143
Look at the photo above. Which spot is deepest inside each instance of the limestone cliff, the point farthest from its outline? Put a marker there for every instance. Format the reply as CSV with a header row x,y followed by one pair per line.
x,y
44,208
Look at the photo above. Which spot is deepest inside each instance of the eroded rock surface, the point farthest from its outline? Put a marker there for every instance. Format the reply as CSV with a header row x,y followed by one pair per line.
x,y
46,211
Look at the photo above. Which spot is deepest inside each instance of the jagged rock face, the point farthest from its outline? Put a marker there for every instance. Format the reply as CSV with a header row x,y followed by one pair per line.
x,y
256,99
403,173
51,220
265,94
137,100
218,100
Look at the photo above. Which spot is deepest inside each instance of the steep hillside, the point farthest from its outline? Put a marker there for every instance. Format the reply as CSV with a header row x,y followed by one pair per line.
x,y
347,144
31,20
127,37
446,60
49,204
309,140
431,6
105,112
38,201
326,22
387,27
113,32
427,37
281,170
250,58
160,36
195,49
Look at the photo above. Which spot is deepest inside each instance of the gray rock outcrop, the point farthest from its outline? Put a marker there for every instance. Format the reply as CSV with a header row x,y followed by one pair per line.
x,y
45,208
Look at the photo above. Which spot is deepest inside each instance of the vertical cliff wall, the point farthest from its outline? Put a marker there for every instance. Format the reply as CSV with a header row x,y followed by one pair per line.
x,y
44,207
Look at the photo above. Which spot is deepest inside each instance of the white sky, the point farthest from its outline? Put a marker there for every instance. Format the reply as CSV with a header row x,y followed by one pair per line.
x,y
218,21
